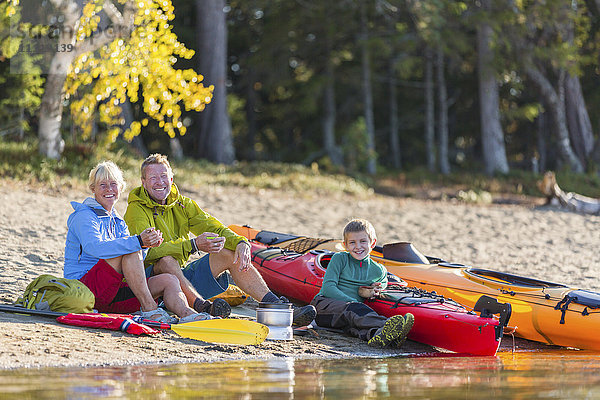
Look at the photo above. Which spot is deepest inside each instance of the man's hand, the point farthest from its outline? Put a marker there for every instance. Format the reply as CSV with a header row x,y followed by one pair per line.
x,y
242,256
151,237
210,242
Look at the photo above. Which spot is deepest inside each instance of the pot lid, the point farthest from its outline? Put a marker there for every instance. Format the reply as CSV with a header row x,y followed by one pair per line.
x,y
276,306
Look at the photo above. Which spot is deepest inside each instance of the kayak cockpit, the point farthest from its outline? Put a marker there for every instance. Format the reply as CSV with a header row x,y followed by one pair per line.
x,y
495,278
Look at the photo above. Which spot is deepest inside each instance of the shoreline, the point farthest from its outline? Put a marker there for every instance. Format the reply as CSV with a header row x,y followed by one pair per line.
x,y
536,241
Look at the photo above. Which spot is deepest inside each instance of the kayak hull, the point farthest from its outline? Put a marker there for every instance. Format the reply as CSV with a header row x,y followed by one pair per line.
x,y
446,326
438,322
534,312
542,311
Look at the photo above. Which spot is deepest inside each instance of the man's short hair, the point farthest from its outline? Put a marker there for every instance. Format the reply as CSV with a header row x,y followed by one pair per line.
x,y
156,158
106,170
360,225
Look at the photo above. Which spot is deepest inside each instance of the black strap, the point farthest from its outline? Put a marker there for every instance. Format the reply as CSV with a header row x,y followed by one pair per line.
x,y
563,305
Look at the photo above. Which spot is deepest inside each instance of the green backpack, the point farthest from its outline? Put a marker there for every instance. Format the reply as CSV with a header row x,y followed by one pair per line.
x,y
48,292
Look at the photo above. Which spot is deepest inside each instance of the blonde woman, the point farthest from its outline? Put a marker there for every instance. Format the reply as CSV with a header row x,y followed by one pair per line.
x,y
101,253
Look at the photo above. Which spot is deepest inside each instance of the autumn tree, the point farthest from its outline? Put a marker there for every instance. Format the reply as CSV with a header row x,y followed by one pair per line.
x,y
111,52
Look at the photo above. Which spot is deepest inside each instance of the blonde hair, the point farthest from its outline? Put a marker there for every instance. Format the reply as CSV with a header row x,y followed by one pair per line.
x,y
106,170
156,158
360,225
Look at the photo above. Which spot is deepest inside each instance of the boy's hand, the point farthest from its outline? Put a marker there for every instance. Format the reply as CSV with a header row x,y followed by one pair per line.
x,y
376,288
369,292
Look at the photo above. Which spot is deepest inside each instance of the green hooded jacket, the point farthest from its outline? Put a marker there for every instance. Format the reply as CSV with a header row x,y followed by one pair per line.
x,y
179,217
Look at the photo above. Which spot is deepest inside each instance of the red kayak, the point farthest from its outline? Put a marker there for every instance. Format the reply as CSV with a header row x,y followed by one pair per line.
x,y
439,322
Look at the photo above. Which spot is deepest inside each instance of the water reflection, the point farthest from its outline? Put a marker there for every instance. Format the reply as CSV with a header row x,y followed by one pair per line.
x,y
556,374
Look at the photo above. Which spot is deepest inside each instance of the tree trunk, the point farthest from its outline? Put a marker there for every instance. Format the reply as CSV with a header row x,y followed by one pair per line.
x,y
21,129
429,111
329,116
51,143
578,119
251,99
136,142
176,149
367,93
492,136
394,124
542,129
557,110
442,113
215,141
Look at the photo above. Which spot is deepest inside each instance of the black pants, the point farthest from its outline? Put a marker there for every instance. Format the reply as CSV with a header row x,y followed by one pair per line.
x,y
354,318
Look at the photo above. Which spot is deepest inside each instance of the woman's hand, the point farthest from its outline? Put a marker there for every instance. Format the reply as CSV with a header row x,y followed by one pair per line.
x,y
151,237
210,242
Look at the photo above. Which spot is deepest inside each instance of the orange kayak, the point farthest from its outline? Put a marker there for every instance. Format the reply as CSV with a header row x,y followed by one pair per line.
x,y
542,311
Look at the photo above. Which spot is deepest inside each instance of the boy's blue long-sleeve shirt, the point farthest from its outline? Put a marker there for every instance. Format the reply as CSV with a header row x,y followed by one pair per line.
x,y
345,274
94,234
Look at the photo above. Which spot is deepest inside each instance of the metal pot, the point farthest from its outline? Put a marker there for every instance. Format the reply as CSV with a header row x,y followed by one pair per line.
x,y
275,314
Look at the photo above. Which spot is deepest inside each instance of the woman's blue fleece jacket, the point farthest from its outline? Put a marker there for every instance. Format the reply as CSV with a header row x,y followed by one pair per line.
x,y
94,234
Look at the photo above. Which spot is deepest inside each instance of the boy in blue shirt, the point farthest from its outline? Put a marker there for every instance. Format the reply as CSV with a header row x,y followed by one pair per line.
x,y
351,277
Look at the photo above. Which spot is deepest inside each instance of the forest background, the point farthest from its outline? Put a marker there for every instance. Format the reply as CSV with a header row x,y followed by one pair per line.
x,y
388,92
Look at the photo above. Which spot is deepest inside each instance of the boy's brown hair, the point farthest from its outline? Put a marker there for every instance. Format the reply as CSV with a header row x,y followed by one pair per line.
x,y
360,225
155,158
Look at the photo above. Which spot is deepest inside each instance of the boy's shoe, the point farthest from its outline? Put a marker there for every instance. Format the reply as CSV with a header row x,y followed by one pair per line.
x,y
302,315
220,308
389,332
409,320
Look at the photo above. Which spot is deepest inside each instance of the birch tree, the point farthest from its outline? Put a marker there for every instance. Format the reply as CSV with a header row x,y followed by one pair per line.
x,y
99,66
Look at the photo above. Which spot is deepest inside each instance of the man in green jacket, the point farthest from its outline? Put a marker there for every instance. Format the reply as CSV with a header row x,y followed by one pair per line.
x,y
157,203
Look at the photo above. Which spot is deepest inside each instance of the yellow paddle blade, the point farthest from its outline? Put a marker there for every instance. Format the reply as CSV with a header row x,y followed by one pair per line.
x,y
229,330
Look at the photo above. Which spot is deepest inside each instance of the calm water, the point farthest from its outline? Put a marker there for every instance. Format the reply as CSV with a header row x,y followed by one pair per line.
x,y
547,375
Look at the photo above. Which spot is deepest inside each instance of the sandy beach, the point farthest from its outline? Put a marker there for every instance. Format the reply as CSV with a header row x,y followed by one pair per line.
x,y
528,239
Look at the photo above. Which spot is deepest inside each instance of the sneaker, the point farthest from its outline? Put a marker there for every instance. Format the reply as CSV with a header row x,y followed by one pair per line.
x,y
304,315
409,320
389,332
220,308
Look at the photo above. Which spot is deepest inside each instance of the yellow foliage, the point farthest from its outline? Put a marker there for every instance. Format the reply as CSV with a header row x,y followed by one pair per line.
x,y
141,63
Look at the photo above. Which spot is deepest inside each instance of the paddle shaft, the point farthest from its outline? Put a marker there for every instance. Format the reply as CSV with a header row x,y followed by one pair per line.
x,y
22,310
184,330
54,314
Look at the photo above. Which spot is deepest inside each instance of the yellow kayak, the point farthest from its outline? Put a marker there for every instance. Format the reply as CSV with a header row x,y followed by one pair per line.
x,y
542,311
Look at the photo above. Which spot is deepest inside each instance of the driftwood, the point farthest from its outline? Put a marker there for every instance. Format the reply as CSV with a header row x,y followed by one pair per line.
x,y
569,200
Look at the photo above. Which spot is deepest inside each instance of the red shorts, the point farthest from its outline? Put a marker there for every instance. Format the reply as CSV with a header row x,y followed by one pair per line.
x,y
113,295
